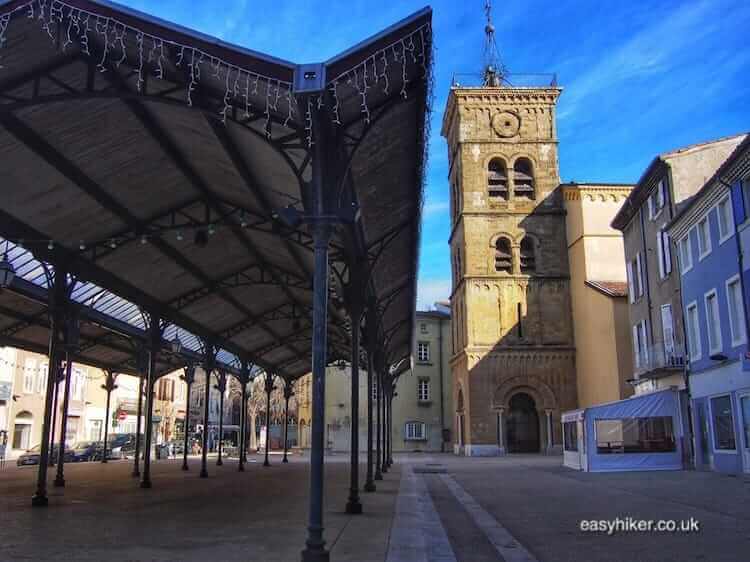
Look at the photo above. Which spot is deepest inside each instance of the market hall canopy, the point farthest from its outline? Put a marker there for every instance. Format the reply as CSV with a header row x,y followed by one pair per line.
x,y
155,161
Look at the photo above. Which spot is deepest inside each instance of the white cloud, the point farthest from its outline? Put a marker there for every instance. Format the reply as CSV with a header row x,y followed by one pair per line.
x,y
652,51
435,207
431,290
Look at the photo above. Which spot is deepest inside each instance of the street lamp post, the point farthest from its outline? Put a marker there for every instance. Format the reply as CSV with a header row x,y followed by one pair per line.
x,y
288,393
109,385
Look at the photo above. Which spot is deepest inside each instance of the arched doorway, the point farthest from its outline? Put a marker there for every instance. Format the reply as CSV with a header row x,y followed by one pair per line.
x,y
22,430
523,425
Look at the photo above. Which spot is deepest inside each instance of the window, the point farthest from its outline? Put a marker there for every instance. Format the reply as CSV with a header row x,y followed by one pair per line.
x,y
656,200
664,253
723,422
415,431
631,282
635,435
503,256
635,278
497,179
736,311
95,430
712,322
639,274
686,257
423,328
77,384
704,238
454,193
528,258
640,348
41,378
694,331
374,390
523,179
745,187
423,390
423,352
570,436
29,374
725,218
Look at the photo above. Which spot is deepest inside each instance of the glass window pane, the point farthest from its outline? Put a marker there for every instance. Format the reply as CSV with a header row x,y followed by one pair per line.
x,y
723,421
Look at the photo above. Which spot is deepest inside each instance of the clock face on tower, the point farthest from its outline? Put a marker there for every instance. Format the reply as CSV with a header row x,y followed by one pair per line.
x,y
506,124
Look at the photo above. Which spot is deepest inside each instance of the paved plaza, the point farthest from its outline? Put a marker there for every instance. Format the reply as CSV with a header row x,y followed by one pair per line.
x,y
429,508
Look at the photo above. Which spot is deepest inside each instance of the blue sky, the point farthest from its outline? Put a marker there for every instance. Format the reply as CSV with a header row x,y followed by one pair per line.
x,y
639,77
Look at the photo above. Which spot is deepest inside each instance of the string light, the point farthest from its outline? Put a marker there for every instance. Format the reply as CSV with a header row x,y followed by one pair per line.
x,y
116,35
241,85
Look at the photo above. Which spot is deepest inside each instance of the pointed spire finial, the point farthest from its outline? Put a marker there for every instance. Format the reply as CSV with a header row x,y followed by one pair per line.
x,y
494,70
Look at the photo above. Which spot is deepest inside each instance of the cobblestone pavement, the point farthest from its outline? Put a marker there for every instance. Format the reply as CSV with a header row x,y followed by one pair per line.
x,y
259,515
539,505
429,508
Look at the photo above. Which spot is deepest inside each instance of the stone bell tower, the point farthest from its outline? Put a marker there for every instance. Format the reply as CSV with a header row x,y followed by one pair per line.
x,y
513,352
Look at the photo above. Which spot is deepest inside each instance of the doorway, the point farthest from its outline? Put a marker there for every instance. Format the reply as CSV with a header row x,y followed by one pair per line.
x,y
523,425
745,437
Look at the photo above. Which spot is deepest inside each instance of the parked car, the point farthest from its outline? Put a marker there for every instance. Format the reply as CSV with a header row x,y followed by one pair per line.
x,y
31,456
122,445
84,451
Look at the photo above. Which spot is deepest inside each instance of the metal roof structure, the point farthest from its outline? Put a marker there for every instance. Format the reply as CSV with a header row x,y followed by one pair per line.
x,y
154,161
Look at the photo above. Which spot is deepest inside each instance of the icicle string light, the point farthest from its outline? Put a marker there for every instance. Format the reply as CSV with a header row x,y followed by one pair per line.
x,y
242,87
374,70
151,55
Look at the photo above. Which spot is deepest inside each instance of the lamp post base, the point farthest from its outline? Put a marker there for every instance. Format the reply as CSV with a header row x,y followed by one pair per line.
x,y
353,507
315,555
204,473
219,463
39,501
59,482
370,487
146,484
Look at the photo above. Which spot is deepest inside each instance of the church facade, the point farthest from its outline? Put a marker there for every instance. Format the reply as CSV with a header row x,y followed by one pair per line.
x,y
513,355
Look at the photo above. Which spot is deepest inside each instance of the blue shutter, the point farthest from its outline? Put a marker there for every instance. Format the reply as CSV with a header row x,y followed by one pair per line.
x,y
738,203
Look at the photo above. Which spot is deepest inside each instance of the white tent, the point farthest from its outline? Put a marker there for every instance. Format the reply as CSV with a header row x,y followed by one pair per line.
x,y
640,433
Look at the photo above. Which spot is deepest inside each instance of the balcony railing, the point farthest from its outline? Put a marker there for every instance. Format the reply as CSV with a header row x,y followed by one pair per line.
x,y
476,80
656,358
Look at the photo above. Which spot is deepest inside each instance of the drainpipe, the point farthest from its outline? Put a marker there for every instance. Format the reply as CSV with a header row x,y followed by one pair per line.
x,y
442,394
646,277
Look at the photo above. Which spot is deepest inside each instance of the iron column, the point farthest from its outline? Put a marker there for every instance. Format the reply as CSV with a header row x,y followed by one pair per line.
x,y
189,378
384,468
141,358
369,481
288,393
109,385
57,298
58,379
353,505
371,328
221,386
60,478
154,337
208,366
378,459
269,389
321,182
390,428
